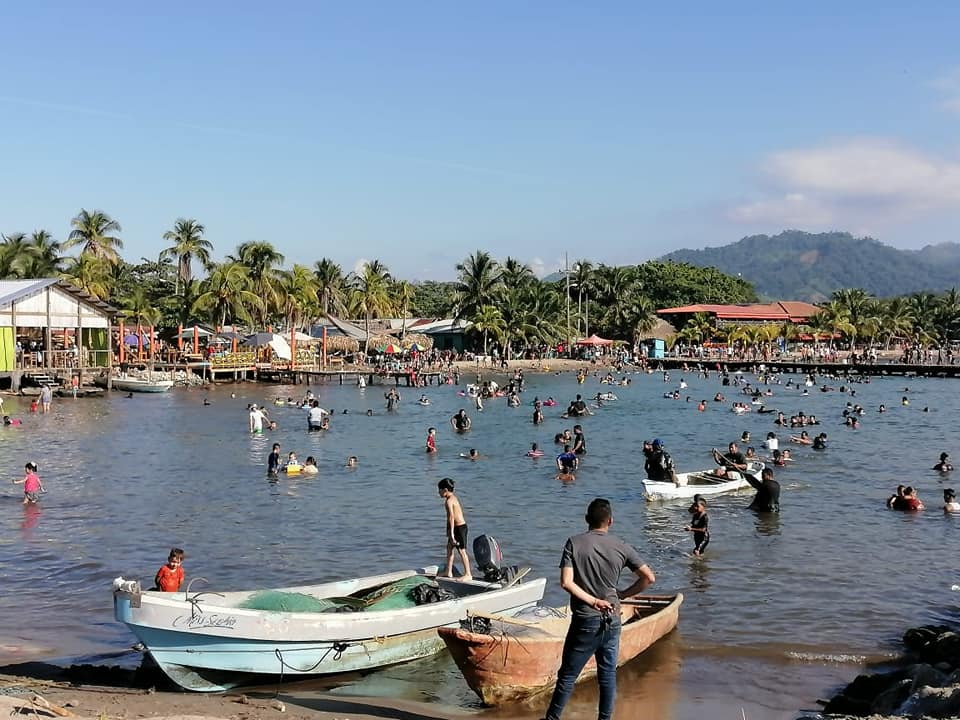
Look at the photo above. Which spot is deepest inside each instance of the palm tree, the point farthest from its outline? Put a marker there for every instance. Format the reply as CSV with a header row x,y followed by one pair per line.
x,y
488,321
89,273
331,287
92,232
515,274
139,308
478,284
370,294
38,257
897,320
700,327
403,293
188,244
616,287
260,259
14,255
225,294
297,289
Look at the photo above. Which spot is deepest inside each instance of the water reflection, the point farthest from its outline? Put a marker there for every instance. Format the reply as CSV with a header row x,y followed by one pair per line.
x,y
31,516
767,523
699,572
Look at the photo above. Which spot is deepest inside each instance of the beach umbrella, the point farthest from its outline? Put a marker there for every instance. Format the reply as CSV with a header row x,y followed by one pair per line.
x,y
261,338
281,348
390,349
419,347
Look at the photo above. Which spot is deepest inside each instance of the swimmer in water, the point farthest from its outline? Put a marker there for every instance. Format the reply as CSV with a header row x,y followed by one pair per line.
x,y
472,455
352,461
944,464
534,451
565,476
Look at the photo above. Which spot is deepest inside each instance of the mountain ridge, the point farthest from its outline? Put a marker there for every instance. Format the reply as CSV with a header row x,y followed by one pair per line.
x,y
797,265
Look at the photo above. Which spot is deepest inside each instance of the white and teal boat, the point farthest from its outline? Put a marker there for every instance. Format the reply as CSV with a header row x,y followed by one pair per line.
x,y
213,641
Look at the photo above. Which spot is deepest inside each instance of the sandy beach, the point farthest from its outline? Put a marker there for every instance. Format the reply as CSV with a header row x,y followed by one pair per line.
x,y
21,695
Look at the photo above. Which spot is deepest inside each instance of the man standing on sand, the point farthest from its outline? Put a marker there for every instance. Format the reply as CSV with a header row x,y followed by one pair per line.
x,y
590,571
456,529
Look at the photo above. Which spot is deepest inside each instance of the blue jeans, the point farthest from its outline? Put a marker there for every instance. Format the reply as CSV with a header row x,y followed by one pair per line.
x,y
599,636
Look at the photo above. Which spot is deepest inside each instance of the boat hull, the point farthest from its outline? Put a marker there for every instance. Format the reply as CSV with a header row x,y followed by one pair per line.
x,y
204,642
698,483
136,385
514,665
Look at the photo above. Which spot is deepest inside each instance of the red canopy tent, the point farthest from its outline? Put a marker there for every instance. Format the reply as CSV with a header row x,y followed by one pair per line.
x,y
594,340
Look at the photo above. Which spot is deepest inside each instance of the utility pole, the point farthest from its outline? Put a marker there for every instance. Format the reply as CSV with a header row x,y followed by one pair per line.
x,y
586,319
566,271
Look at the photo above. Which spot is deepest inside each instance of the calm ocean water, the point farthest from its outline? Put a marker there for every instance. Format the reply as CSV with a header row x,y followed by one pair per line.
x,y
779,611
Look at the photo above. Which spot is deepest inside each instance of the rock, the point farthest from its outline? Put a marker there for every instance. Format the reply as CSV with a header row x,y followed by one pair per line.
x,y
278,706
946,648
937,702
918,639
925,675
893,697
858,697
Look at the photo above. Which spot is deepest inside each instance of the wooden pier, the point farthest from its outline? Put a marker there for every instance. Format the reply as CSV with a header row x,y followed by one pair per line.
x,y
839,369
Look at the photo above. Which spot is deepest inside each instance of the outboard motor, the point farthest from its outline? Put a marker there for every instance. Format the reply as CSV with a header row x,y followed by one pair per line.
x,y
489,559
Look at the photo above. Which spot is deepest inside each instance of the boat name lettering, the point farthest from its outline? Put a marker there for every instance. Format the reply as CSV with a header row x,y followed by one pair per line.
x,y
206,620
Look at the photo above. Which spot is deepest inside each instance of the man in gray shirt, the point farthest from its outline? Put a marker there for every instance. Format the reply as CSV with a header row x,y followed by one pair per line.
x,y
590,571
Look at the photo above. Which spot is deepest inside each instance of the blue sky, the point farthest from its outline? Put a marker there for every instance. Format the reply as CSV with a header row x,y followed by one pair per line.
x,y
416,133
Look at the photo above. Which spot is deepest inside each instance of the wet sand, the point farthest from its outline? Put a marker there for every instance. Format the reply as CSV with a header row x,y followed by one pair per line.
x,y
17,693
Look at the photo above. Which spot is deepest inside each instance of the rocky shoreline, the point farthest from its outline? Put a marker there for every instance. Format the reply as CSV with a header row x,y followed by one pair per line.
x,y
924,683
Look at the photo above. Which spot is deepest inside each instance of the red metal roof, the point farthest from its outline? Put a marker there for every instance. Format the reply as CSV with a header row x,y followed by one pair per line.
x,y
793,311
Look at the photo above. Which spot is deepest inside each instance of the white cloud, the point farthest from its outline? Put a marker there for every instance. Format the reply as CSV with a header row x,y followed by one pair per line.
x,y
948,86
539,267
857,182
359,265
790,210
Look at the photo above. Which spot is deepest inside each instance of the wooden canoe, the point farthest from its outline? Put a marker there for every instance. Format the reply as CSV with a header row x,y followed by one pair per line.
x,y
519,656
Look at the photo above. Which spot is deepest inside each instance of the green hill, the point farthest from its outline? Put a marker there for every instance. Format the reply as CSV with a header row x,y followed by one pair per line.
x,y
796,265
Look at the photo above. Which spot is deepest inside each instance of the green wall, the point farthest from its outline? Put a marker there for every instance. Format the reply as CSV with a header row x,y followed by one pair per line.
x,y
95,339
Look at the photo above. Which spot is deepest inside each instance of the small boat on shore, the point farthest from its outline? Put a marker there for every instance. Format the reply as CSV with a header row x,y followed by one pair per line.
x,y
134,384
142,385
213,641
700,482
508,659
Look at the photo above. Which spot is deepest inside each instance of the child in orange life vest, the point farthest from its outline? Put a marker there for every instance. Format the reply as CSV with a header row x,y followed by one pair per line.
x,y
170,577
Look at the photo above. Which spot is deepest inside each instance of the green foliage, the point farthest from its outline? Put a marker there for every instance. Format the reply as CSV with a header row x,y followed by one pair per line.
x,y
796,265
672,284
433,299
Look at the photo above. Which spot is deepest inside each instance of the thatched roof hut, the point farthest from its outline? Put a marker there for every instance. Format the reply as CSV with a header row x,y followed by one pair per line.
x,y
661,331
342,343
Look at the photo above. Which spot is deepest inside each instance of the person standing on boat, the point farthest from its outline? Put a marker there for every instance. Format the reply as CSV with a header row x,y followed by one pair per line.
x,y
590,570
456,528
170,577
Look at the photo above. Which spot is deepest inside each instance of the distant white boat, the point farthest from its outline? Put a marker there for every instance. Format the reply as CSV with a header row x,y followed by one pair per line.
x,y
132,384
